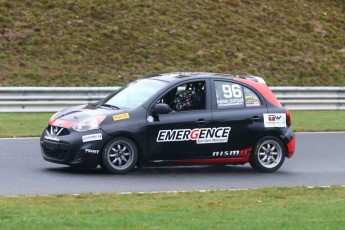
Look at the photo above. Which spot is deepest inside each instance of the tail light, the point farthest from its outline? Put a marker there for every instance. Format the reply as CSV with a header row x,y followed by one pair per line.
x,y
288,118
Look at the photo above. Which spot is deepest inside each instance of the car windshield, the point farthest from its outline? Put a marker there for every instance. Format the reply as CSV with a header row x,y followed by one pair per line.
x,y
136,93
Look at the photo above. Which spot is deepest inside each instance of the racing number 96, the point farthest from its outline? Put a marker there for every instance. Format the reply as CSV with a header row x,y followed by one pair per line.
x,y
233,90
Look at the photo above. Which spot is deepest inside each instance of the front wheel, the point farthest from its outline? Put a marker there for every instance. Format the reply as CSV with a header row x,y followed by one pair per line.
x,y
268,155
119,156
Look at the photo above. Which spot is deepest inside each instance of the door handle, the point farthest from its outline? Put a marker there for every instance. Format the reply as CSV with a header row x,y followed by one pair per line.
x,y
201,122
255,118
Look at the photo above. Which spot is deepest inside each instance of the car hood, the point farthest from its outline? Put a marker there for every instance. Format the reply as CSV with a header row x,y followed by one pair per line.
x,y
71,116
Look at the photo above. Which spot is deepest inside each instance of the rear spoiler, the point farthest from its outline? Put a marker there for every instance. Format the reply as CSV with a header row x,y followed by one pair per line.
x,y
252,78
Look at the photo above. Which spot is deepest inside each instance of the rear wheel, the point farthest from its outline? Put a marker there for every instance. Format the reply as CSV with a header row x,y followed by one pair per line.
x,y
119,156
268,155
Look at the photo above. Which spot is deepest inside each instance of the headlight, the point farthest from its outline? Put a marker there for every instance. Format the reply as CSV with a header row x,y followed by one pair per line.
x,y
89,124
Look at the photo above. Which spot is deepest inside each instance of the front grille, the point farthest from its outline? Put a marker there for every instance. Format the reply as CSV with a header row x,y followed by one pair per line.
x,y
55,154
57,131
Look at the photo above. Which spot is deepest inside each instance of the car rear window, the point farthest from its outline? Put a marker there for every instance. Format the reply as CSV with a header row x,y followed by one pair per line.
x,y
233,95
229,95
251,98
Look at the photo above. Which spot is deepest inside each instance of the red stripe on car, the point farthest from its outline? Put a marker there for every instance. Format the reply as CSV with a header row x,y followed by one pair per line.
x,y
214,161
62,123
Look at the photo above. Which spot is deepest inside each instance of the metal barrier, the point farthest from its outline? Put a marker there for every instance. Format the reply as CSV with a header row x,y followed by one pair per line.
x,y
48,99
52,99
311,98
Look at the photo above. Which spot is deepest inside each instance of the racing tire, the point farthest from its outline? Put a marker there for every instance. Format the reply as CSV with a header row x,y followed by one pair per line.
x,y
119,156
268,156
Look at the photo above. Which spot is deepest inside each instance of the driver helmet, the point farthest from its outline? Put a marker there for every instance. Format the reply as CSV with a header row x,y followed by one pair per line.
x,y
187,100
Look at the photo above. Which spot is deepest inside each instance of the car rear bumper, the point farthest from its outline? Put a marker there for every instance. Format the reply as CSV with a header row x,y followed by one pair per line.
x,y
291,147
289,139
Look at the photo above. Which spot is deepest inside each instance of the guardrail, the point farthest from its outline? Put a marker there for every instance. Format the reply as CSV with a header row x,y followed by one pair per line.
x,y
48,99
311,98
52,99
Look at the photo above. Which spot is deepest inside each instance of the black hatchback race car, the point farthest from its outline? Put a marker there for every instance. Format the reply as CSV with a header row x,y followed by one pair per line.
x,y
175,118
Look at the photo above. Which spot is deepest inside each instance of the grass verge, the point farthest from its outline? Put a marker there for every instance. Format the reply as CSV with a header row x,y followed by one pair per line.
x,y
23,124
318,121
268,208
32,124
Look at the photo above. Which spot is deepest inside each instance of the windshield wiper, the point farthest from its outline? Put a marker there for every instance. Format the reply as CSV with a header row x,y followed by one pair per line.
x,y
110,106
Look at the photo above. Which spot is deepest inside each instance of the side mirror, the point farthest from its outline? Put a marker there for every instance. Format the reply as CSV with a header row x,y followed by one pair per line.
x,y
161,108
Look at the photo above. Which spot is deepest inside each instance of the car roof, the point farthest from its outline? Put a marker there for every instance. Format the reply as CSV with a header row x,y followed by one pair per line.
x,y
256,82
176,76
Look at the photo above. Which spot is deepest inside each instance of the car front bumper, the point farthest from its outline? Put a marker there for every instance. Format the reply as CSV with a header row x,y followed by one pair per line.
x,y
77,148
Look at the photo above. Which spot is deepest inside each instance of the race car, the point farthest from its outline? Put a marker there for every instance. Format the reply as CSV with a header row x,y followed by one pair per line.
x,y
182,118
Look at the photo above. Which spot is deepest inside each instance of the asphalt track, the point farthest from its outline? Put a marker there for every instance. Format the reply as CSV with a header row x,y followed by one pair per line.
x,y
319,161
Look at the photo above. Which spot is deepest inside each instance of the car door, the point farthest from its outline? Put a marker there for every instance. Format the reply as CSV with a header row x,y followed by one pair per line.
x,y
241,108
174,136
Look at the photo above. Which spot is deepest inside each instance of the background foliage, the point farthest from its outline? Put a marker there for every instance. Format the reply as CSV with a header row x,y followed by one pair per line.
x,y
111,42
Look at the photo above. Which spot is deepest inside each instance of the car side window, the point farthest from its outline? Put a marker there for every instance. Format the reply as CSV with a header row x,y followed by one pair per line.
x,y
186,97
251,98
229,95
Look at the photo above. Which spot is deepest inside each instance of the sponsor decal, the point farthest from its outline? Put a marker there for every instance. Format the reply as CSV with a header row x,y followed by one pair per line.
x,y
121,116
227,153
92,137
200,135
252,101
51,138
230,102
274,120
91,151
